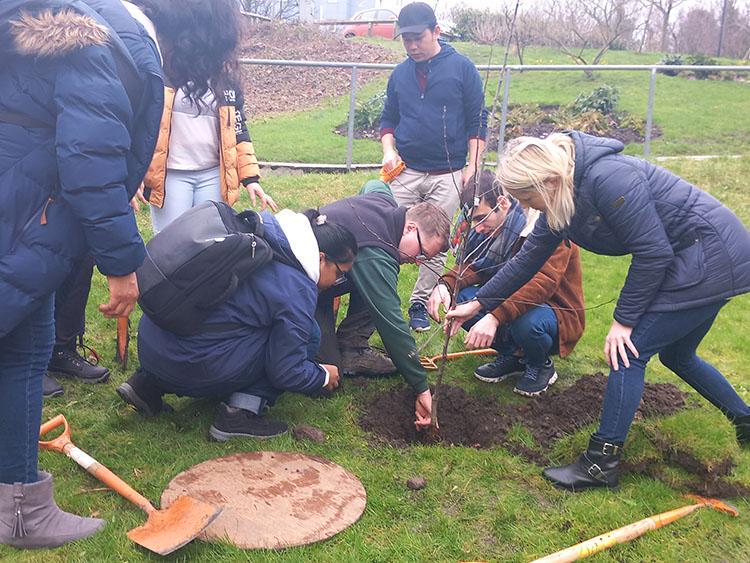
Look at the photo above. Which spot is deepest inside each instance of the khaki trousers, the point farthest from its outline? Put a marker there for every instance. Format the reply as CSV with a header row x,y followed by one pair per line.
x,y
412,187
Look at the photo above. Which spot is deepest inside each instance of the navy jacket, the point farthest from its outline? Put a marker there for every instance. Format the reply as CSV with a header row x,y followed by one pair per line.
x,y
687,248
274,314
66,178
432,130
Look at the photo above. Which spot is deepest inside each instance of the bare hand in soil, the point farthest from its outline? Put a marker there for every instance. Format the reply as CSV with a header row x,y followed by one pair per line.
x,y
309,433
483,333
423,410
416,483
456,317
440,296
333,377
614,344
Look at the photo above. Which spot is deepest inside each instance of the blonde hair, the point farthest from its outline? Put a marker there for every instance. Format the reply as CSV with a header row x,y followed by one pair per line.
x,y
545,166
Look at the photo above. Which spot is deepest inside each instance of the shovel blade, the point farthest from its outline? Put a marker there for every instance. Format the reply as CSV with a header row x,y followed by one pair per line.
x,y
169,529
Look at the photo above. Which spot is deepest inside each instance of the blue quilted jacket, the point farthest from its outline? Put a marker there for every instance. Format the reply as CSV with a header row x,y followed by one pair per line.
x,y
687,248
71,164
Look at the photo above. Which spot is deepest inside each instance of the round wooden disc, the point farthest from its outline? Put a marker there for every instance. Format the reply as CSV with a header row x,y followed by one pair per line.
x,y
272,500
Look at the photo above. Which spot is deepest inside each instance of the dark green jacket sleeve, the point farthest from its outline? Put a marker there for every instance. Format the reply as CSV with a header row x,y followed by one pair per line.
x,y
376,187
375,275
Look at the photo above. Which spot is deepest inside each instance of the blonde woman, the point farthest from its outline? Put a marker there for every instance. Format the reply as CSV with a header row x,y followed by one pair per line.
x,y
690,254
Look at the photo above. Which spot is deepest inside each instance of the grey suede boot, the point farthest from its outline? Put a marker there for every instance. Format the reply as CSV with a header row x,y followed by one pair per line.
x,y
29,517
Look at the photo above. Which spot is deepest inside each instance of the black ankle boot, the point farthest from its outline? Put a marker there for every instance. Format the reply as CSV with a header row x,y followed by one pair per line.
x,y
142,393
742,428
598,466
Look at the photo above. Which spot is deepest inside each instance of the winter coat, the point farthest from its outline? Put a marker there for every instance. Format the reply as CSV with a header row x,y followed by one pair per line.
x,y
272,315
237,160
687,249
559,282
67,176
432,129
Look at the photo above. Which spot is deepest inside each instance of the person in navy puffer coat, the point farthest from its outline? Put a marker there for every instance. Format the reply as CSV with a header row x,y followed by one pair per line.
x,y
263,338
690,254
80,101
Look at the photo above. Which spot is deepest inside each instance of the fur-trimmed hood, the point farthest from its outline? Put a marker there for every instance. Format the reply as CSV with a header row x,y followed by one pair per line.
x,y
49,32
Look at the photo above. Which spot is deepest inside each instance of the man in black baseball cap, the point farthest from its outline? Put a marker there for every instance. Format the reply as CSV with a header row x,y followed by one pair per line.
x,y
415,18
435,122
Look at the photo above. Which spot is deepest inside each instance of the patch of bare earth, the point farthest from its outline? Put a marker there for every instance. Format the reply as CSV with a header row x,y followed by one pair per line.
x,y
274,89
482,422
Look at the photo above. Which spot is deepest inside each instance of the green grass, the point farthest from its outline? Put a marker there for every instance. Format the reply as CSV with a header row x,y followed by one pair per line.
x,y
478,505
695,116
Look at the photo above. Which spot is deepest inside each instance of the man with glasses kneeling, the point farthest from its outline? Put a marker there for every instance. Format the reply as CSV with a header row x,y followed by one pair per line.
x,y
544,317
387,236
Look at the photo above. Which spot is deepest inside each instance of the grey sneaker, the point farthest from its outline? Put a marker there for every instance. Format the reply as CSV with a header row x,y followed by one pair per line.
x,y
365,361
50,387
500,369
231,422
536,380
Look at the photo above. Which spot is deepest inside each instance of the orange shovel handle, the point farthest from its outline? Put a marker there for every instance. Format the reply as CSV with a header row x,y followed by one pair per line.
x,y
64,444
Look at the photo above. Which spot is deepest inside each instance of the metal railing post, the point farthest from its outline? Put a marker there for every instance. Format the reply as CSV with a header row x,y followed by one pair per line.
x,y
503,114
649,114
350,128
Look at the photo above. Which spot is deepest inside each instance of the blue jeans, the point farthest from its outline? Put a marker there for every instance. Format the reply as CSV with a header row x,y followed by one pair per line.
x,y
675,336
183,190
535,332
24,355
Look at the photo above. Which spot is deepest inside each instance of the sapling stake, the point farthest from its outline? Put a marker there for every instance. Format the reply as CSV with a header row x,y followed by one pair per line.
x,y
434,432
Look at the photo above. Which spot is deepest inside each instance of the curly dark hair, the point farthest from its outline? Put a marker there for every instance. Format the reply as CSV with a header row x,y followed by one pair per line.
x,y
198,39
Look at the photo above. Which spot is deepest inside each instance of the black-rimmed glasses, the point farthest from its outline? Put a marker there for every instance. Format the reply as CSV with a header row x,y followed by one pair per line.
x,y
341,275
422,256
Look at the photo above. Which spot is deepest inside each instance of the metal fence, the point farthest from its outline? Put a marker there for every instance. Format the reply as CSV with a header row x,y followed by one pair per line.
x,y
507,70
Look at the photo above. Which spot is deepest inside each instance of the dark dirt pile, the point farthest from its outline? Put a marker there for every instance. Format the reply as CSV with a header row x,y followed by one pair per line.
x,y
272,89
482,422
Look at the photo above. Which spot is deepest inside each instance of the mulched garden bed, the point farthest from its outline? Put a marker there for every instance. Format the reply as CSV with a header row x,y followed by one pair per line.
x,y
274,89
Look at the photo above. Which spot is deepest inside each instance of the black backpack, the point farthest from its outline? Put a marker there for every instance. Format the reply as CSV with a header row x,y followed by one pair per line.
x,y
197,262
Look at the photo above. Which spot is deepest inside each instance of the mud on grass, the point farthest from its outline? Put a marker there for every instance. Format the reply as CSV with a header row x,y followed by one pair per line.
x,y
482,422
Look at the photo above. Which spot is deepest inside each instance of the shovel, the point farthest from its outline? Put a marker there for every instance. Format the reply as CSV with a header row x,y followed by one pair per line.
x,y
636,529
123,339
165,530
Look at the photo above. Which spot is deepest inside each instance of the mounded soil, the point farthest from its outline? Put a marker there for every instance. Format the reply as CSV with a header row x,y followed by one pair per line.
x,y
274,89
482,422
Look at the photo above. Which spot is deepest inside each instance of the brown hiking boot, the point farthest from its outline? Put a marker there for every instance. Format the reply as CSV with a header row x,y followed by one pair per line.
x,y
365,361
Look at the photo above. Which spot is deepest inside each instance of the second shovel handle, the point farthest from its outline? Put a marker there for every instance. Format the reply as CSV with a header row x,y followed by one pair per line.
x,y
108,478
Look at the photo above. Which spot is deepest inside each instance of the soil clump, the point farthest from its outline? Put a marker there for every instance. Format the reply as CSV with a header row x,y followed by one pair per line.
x,y
416,483
309,433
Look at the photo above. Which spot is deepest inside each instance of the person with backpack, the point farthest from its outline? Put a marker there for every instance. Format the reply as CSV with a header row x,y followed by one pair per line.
x,y
80,98
690,255
259,342
204,152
